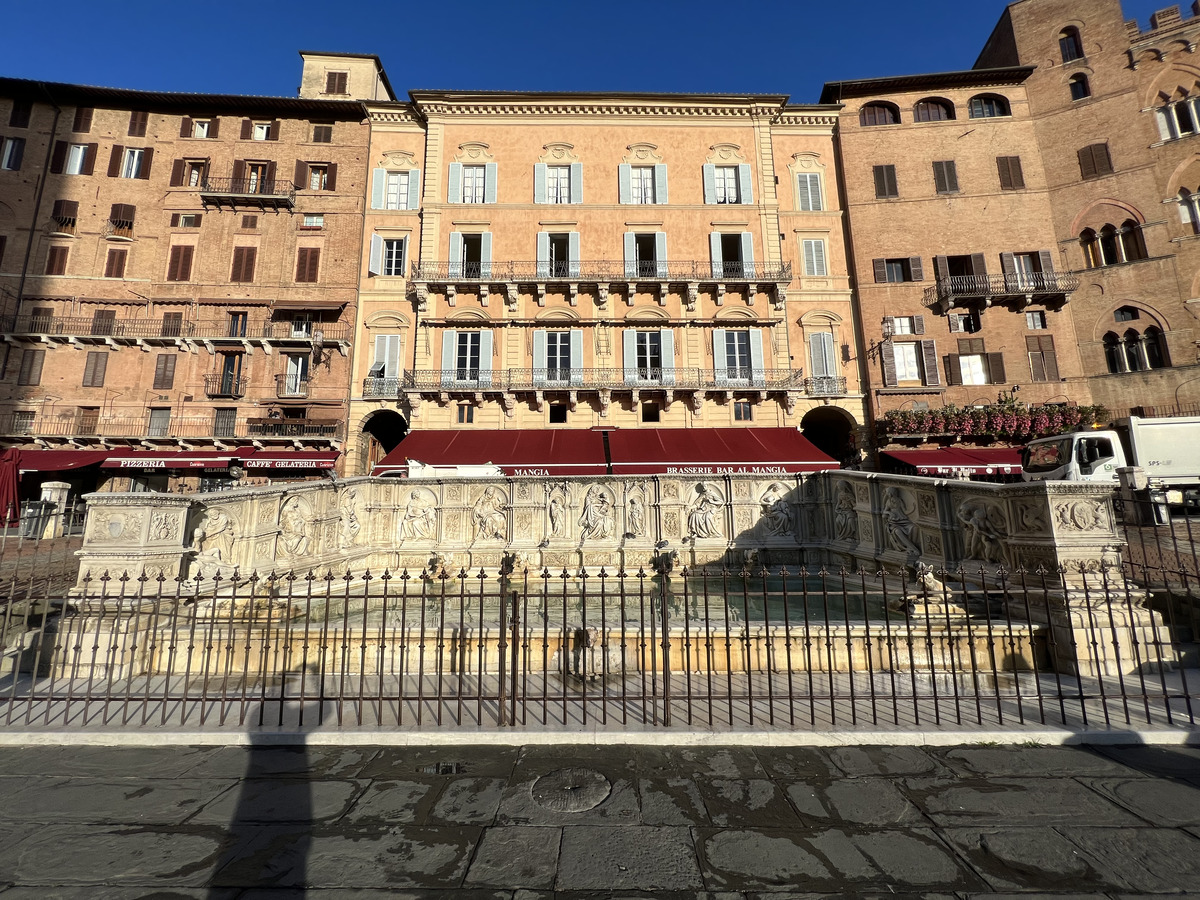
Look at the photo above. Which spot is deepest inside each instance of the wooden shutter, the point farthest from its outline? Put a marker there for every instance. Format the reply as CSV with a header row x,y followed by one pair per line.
x,y
147,162
307,264
185,127
881,182
945,177
929,362
122,212
83,120
968,346
273,131
624,183
660,183
1046,260
1008,263
177,173
58,158
709,179
322,134
539,184
247,129
114,266
490,182
745,184
89,159
180,266
887,362
995,363
1004,168
243,264
331,177
454,183
941,267
174,220
214,128
953,369
56,261
378,187
269,178
1087,166
300,178
65,209
915,269
1103,160
137,123
31,367
239,173
114,161
164,372
3,244
880,268
978,264
918,324
94,368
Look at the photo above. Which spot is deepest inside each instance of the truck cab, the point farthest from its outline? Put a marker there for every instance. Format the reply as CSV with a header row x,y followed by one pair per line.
x,y
1083,456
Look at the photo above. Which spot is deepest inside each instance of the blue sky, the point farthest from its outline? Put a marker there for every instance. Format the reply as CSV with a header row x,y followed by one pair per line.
x,y
639,45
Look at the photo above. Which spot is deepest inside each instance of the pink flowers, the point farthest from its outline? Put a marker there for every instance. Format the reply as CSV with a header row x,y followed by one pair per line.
x,y
1008,420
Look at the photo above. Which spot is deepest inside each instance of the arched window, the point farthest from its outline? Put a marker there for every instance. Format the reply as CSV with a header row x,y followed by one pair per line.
x,y
1133,242
1189,209
879,114
1152,343
1079,87
1127,314
1070,45
1110,246
1091,249
988,106
1114,353
933,109
1178,118
1133,352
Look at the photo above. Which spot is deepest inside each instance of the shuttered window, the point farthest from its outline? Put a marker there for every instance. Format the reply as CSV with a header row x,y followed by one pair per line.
x,y
31,367
94,368
808,192
945,177
1094,161
243,264
885,182
56,261
21,111
114,265
1011,176
322,134
164,371
83,120
179,266
972,365
137,123
814,258
1043,363
336,82
307,264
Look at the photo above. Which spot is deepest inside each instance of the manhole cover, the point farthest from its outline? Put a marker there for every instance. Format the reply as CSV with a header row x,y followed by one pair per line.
x,y
571,790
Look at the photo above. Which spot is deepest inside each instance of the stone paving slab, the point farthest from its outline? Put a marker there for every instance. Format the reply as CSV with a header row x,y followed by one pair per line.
x,y
1013,801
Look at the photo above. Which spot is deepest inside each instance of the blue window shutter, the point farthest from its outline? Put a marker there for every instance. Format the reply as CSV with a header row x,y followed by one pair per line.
x,y
376,264
624,182
757,374
629,355
714,247
454,194
822,355
710,183
414,188
449,355
660,183
539,182
660,253
539,357
485,359
748,255
576,356
573,253
576,182
489,182
485,255
720,360
456,254
667,341
630,255
378,187
543,254
745,188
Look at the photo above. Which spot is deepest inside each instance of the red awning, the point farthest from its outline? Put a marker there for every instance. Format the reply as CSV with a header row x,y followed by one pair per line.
x,y
59,460
715,451
960,461
220,459
299,459
517,452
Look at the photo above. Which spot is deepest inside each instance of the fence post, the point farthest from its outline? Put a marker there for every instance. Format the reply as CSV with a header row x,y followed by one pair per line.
x,y
502,654
516,653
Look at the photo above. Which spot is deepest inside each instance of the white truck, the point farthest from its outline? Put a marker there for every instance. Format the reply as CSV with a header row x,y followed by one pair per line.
x,y
1167,449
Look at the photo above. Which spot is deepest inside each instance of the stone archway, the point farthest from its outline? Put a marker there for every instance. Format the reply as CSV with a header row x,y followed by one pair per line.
x,y
382,431
829,428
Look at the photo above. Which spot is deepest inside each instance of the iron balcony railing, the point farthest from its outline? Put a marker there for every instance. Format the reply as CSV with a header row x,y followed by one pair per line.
x,y
258,188
687,378
592,271
71,425
218,329
224,386
295,428
291,386
382,387
825,386
212,329
968,287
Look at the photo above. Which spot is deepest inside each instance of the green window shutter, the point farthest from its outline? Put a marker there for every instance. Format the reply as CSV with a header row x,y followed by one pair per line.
x,y
539,357
576,356
629,355
660,183
745,187
757,367
456,254
375,266
660,253
630,255
449,358
624,183
485,358
720,360
485,255
539,183
714,248
490,171
573,253
414,188
748,270
576,182
543,254
454,192
378,188
666,338
710,183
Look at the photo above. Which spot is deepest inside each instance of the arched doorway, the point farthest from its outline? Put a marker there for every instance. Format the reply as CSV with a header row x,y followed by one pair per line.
x,y
829,430
381,432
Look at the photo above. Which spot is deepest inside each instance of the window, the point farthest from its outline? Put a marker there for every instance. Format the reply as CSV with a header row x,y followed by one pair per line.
x,y
237,322
179,264
137,123
23,421
972,365
201,128
814,257
558,184
131,163
1011,176
159,423
164,371
56,261
885,182
114,264
466,356
224,421
76,162
732,255
172,324
189,173
312,223
823,363
120,220
558,413
743,411
87,420
104,321
94,368
1135,351
1036,320
1178,118
908,367
879,114
1113,246
646,255
466,414
243,264
295,376
393,257
1043,364
249,223
470,255
396,190
473,181
12,150
808,192
933,110
302,325
727,184
322,134
21,111
558,355
1070,45
318,178
906,324
964,323
83,120
988,106
945,177
307,263
648,351
1126,314
260,131
1094,161
1079,87
65,213
651,412
737,355
30,372
898,270
186,220
336,82
641,184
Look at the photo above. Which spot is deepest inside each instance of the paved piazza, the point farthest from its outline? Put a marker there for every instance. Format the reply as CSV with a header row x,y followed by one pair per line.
x,y
533,823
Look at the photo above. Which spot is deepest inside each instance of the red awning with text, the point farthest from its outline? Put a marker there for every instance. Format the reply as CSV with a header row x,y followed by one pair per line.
x,y
518,452
249,457
715,451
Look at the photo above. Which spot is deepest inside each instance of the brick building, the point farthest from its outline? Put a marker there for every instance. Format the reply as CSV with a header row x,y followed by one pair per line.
x,y
178,276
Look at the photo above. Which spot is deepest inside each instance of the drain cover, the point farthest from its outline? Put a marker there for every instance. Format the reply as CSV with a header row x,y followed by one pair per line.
x,y
571,790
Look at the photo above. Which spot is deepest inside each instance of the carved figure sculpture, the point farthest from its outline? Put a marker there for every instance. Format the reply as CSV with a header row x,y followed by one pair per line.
x,y
981,538
419,520
637,517
488,515
845,516
293,529
213,537
776,512
348,522
597,519
557,516
901,530
702,514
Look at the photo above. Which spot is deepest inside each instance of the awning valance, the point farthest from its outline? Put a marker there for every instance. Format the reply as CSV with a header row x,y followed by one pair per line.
x,y
59,460
706,452
518,452
249,457
960,461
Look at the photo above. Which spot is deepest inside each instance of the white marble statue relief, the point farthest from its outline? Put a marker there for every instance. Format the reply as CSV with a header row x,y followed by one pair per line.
x,y
702,515
637,517
776,512
419,520
596,523
488,515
